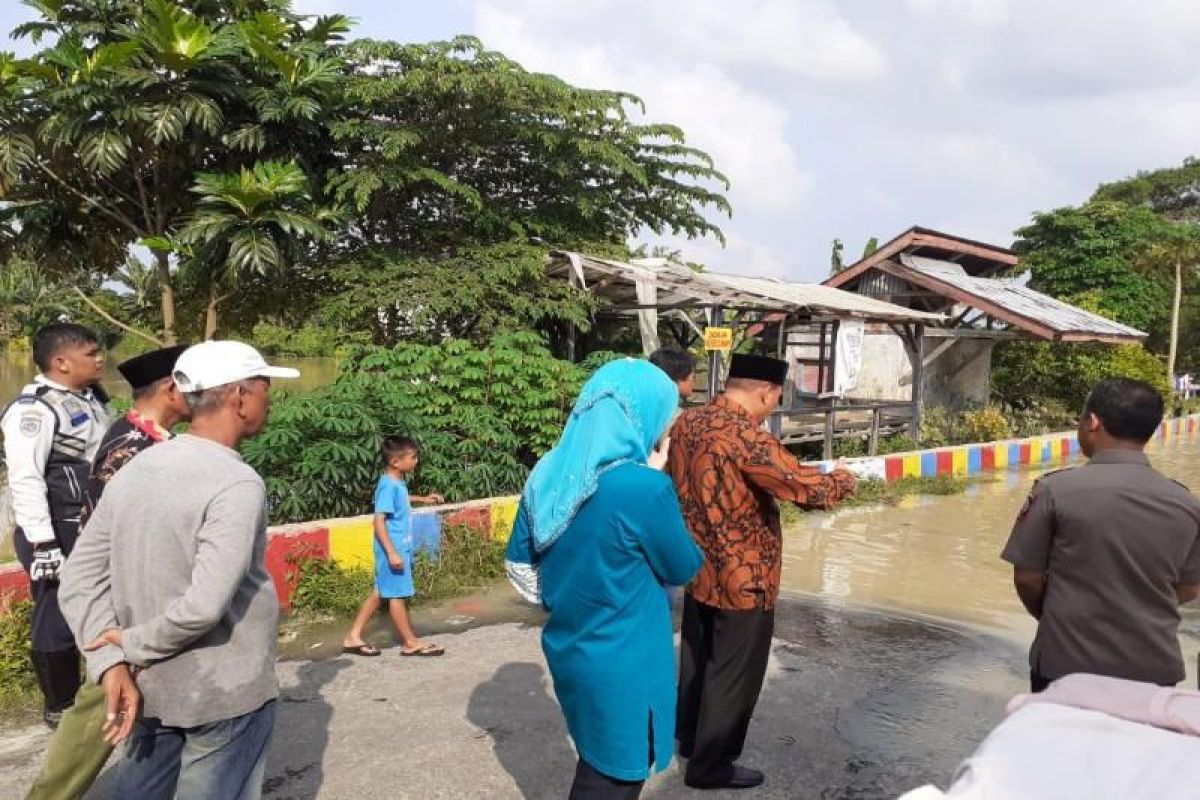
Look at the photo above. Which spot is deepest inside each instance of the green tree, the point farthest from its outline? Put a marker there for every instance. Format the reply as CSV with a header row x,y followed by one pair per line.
x,y
836,264
452,143
473,293
1096,251
105,130
1173,192
250,222
1174,255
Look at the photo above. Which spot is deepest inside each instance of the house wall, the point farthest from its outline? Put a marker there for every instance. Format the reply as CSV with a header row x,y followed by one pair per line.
x,y
957,377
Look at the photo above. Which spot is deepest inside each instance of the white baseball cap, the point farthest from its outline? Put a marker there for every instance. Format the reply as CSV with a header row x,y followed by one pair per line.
x,y
211,364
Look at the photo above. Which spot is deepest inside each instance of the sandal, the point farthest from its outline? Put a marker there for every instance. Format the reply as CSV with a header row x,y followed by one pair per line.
x,y
365,649
425,650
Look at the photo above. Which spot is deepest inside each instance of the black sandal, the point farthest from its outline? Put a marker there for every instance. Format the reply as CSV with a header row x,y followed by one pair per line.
x,y
425,650
365,649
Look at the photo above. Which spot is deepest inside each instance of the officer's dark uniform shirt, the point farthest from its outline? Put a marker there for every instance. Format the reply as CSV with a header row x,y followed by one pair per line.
x,y
1114,537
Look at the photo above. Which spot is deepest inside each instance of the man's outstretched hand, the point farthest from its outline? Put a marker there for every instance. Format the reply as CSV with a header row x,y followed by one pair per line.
x,y
122,701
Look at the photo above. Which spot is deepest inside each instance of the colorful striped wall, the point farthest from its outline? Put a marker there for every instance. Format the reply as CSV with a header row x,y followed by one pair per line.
x,y
349,541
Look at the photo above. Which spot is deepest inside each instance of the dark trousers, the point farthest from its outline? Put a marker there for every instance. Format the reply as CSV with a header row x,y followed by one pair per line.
x,y
591,784
721,667
55,659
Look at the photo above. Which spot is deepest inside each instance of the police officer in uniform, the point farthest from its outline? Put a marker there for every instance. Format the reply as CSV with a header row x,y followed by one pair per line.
x,y
51,434
1104,554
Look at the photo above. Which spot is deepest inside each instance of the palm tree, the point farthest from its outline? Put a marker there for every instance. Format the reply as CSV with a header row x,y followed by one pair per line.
x,y
252,221
1176,253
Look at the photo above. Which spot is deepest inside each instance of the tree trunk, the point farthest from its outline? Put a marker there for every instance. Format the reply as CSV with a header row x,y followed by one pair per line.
x,y
210,313
1174,346
167,295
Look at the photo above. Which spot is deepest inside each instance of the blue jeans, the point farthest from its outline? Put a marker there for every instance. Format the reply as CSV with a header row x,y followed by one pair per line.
x,y
223,759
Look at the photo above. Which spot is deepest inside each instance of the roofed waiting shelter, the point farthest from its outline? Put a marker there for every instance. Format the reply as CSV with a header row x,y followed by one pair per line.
x,y
805,323
972,285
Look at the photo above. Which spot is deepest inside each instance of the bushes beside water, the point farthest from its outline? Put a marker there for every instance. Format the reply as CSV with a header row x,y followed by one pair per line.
x,y
483,414
871,492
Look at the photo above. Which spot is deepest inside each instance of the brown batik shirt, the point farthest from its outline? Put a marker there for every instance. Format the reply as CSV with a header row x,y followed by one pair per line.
x,y
728,472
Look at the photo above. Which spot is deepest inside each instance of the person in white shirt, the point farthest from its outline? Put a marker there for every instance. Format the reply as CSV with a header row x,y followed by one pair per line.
x,y
51,433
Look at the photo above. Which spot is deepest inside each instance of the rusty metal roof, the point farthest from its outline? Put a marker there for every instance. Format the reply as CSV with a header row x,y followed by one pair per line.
x,y
1026,308
678,286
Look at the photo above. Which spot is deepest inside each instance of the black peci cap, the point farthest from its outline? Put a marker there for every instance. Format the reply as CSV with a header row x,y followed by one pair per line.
x,y
141,371
758,368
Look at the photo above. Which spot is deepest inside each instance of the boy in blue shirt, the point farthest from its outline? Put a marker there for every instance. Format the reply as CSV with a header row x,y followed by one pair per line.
x,y
393,552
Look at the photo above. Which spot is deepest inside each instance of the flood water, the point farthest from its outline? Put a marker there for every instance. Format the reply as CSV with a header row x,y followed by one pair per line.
x,y
17,370
940,556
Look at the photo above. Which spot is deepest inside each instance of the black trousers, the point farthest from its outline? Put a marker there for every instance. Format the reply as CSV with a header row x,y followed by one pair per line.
x,y
721,667
55,659
591,784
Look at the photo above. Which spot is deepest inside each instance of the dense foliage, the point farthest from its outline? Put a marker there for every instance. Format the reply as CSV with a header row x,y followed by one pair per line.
x,y
483,415
1090,255
233,138
1028,374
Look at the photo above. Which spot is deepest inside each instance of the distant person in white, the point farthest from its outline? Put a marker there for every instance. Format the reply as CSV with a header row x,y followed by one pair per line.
x,y
168,583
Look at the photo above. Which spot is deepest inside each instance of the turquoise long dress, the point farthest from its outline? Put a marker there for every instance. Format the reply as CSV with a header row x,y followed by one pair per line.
x,y
608,639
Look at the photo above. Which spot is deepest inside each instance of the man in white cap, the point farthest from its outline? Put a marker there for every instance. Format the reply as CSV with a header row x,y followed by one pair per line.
x,y
177,593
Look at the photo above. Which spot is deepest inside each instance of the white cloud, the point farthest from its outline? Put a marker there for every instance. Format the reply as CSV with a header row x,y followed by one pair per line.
x,y
745,131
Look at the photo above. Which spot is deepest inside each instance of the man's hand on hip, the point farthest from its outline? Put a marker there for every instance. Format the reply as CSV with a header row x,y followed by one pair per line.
x,y
46,564
111,636
122,701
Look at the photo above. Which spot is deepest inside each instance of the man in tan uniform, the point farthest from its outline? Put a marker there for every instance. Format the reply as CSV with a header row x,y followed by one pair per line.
x,y
1103,555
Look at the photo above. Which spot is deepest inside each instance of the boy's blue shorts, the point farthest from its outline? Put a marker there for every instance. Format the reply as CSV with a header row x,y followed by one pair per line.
x,y
393,584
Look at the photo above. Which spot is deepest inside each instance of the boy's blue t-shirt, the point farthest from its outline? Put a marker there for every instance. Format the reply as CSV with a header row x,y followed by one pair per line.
x,y
391,499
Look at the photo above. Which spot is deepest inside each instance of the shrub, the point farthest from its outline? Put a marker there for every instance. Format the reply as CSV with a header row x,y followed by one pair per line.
x,y
466,561
18,685
1029,374
985,425
483,416
323,587
876,491
896,443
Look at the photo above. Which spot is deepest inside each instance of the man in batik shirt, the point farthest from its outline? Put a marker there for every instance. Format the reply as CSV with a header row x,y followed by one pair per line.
x,y
728,473
78,750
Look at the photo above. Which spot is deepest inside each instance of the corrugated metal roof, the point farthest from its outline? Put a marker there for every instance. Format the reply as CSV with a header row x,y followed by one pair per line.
x,y
823,299
678,285
1061,317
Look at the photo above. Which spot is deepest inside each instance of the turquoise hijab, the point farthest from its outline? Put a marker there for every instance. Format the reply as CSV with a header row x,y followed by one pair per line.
x,y
622,412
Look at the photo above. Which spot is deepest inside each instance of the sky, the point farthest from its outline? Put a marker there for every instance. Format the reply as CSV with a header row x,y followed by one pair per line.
x,y
857,118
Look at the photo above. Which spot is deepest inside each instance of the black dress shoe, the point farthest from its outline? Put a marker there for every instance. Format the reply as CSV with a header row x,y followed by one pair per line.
x,y
742,778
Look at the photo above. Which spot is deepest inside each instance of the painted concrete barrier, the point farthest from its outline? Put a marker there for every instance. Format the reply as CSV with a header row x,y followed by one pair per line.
x,y
348,541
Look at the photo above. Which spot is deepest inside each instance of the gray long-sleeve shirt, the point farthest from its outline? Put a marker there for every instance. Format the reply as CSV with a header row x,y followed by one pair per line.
x,y
174,555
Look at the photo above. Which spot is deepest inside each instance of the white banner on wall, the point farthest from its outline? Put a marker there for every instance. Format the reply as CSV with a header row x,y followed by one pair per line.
x,y
847,355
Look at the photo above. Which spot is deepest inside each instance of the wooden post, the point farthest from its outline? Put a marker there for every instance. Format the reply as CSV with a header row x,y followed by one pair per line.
x,y
918,384
830,424
715,318
873,441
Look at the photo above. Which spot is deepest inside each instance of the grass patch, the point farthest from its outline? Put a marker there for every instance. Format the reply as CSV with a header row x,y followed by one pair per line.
x,y
466,562
872,492
18,684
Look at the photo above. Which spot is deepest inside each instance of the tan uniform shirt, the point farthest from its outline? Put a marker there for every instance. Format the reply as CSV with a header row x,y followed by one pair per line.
x,y
1114,538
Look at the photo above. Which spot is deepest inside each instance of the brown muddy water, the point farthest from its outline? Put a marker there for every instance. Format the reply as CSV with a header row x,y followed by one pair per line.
x,y
939,556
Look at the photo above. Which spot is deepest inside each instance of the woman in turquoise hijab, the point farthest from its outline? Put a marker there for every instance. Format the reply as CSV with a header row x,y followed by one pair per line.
x,y
598,538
